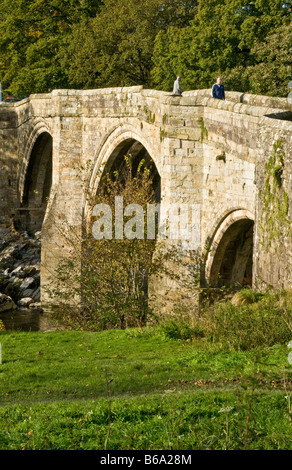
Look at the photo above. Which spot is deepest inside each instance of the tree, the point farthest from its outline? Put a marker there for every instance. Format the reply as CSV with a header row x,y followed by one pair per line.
x,y
220,39
115,48
273,68
173,56
32,32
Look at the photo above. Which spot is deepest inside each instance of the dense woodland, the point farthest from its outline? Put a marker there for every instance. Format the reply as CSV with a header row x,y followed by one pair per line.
x,y
49,44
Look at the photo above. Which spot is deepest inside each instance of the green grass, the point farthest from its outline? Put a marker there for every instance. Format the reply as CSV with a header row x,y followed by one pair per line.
x,y
181,421
58,388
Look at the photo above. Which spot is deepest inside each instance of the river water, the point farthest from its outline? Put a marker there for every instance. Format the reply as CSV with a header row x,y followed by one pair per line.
x,y
28,320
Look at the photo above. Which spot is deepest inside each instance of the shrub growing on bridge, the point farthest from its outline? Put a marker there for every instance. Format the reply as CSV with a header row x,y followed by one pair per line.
x,y
109,277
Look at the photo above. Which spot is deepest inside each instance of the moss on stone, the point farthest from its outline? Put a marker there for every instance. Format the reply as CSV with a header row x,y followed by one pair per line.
x,y
221,157
274,220
162,134
204,131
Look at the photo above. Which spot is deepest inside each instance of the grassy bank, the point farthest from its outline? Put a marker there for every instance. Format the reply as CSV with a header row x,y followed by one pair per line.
x,y
66,390
205,419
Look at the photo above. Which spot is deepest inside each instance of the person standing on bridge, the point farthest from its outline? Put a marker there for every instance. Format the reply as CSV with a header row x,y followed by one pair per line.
x,y
176,87
218,90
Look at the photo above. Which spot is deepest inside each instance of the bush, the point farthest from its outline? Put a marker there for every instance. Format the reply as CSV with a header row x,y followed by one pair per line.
x,y
109,276
178,329
264,320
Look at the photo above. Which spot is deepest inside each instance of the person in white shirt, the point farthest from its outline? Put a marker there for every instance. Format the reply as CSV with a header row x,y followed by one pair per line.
x,y
176,87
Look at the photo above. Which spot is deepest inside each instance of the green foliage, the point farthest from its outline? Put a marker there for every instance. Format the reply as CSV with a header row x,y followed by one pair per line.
x,y
271,69
110,275
48,44
115,48
258,321
32,33
246,43
178,329
250,296
172,56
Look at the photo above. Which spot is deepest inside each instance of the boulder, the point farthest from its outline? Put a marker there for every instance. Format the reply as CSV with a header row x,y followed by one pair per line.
x,y
25,302
3,244
8,256
27,293
36,306
6,272
36,295
12,287
29,271
17,271
6,303
15,281
28,283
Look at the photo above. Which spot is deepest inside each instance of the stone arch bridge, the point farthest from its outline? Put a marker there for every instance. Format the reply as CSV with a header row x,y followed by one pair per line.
x,y
231,158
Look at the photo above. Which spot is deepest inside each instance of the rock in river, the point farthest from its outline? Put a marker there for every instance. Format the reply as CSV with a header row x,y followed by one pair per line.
x,y
6,303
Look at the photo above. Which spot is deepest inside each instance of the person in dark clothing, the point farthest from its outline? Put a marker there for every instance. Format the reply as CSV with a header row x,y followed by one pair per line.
x,y
218,90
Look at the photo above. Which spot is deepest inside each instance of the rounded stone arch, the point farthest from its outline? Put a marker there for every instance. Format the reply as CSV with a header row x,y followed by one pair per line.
x,y
112,144
229,256
40,127
118,142
35,178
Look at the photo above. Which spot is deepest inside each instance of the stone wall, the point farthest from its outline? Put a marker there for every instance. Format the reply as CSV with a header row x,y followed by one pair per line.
x,y
9,162
273,235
